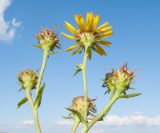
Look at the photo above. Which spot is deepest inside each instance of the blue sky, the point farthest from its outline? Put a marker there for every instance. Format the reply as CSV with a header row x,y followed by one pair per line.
x,y
135,40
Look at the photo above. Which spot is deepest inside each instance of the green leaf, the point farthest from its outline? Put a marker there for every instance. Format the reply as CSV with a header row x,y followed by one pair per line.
x,y
78,114
89,50
131,88
130,95
37,45
79,69
20,89
23,101
38,99
68,117
54,52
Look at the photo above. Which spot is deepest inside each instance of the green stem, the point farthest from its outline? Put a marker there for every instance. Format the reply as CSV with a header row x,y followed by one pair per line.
x,y
75,125
34,111
45,57
36,120
85,128
85,85
104,112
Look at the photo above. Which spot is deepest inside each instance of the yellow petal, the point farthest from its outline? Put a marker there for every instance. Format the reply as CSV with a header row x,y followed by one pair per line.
x,y
89,21
80,22
109,33
102,26
77,50
109,28
88,18
105,43
71,28
71,47
100,50
68,36
95,21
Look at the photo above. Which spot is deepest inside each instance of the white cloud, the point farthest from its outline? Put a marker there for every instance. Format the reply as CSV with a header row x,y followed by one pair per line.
x,y
134,120
64,123
7,28
25,123
96,130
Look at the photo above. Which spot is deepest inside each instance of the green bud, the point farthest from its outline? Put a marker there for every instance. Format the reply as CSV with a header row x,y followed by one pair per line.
x,y
47,40
28,79
119,80
78,105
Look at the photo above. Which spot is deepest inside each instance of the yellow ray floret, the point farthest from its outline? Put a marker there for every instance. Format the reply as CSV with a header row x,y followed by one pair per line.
x,y
105,43
89,20
102,26
88,34
72,47
95,21
99,50
68,36
71,28
105,34
80,22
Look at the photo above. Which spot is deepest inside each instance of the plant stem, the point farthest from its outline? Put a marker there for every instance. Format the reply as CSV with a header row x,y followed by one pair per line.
x,y
85,85
36,120
104,112
45,57
85,128
34,111
75,125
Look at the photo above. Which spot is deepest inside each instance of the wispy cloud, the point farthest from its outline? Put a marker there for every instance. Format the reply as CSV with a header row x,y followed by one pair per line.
x,y
7,28
25,123
64,123
136,119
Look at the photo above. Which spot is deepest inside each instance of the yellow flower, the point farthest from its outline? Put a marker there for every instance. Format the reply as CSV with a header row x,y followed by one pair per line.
x,y
88,35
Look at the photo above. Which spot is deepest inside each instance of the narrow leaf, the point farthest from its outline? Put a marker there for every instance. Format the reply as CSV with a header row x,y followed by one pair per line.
x,y
130,95
20,89
54,52
68,117
77,71
79,115
38,99
23,101
79,68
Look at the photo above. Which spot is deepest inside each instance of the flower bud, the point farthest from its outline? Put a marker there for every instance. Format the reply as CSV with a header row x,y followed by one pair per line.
x,y
28,79
78,104
119,80
47,39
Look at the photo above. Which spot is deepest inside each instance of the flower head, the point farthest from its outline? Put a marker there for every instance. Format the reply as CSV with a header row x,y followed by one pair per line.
x,y
47,39
119,80
88,35
78,104
28,79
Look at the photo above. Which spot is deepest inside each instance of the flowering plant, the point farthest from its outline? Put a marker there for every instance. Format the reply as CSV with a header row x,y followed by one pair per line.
x,y
88,37
29,80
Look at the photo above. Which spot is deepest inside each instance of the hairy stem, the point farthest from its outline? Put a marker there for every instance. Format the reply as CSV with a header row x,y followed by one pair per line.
x,y
85,85
45,57
104,112
75,125
85,128
36,120
34,111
